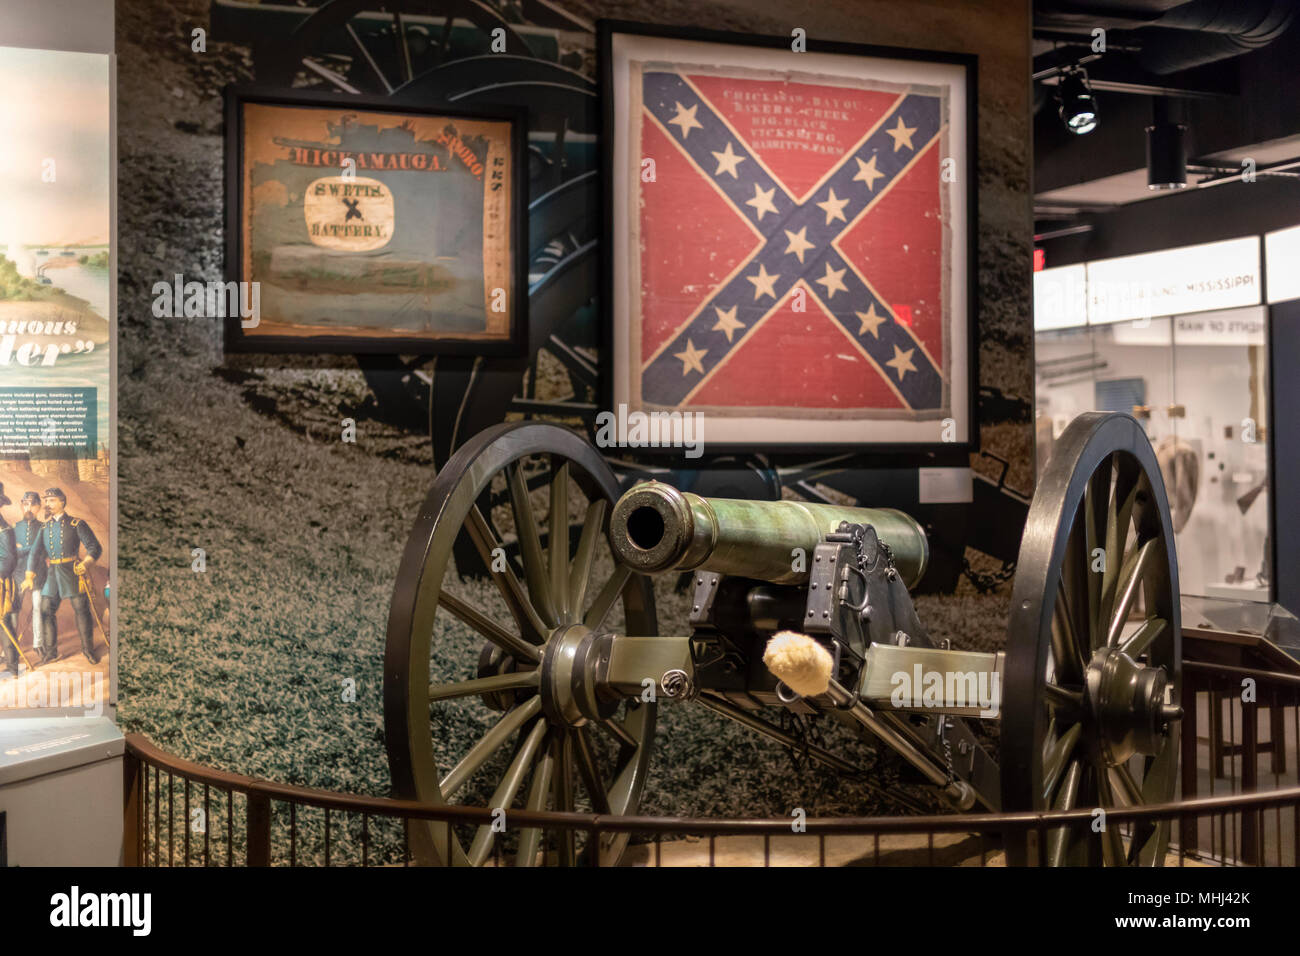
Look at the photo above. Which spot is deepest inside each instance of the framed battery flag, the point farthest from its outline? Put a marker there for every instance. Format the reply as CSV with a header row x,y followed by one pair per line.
x,y
790,231
358,225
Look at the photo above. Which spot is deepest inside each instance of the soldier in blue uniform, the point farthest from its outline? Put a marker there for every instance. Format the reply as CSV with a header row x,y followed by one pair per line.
x,y
8,561
59,548
26,531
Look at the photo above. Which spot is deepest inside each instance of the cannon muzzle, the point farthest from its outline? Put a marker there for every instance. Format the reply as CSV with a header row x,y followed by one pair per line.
x,y
654,527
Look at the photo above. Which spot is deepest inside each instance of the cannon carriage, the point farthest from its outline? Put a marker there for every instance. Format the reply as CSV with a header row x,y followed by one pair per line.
x,y
555,678
795,606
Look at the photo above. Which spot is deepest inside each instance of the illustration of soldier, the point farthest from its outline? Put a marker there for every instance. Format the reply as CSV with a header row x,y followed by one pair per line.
x,y
26,531
58,546
8,561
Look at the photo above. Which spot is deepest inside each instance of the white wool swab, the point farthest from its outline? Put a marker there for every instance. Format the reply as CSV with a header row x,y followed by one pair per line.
x,y
799,662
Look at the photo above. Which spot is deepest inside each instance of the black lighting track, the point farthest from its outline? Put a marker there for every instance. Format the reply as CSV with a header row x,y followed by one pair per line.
x,y
1119,72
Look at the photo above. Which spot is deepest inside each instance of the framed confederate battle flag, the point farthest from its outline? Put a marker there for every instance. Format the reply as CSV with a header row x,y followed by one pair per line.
x,y
790,238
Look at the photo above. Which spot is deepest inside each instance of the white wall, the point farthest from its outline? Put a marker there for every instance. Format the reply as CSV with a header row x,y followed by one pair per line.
x,y
84,26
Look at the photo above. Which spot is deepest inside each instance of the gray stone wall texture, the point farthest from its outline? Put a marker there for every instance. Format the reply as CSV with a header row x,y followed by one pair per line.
x,y
241,666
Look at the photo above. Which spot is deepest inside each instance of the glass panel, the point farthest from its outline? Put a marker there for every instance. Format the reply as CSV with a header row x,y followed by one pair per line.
x,y
1220,453
1124,367
1199,385
1272,621
1064,361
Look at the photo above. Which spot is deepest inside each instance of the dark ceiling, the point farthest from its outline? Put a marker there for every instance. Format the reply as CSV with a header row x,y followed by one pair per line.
x,y
1226,69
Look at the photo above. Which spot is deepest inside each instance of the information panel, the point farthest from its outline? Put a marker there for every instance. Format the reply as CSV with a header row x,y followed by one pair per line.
x,y
56,295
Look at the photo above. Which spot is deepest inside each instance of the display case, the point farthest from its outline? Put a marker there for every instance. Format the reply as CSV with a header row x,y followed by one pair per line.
x,y
1272,622
1199,384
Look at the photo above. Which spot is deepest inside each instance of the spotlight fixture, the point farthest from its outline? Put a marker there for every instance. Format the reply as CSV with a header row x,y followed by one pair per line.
x,y
1166,159
1078,106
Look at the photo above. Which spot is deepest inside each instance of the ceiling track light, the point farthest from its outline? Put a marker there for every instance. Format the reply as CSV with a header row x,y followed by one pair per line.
x,y
1078,107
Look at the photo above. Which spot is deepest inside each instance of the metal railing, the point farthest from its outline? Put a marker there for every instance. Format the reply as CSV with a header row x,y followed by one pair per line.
x,y
1240,736
229,819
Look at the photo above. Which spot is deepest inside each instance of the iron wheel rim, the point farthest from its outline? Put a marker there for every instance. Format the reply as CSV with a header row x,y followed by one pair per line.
x,y
1102,464
418,597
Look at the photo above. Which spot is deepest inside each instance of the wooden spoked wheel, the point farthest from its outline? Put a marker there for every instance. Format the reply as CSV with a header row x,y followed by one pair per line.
x,y
1090,703
485,701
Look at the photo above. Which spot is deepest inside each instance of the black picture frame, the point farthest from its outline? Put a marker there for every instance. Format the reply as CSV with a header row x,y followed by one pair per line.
x,y
239,341
920,452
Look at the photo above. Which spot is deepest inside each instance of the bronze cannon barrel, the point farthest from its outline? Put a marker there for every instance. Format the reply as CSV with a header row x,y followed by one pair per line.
x,y
654,527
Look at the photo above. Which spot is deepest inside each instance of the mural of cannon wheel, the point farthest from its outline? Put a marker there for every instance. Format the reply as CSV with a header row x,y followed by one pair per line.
x,y
1089,684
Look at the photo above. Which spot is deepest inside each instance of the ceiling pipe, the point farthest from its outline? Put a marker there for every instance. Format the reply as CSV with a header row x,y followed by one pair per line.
x,y
1247,18
1205,31
1078,19
1062,232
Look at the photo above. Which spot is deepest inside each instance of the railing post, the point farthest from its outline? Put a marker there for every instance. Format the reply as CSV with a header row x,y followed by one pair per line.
x,y
1250,782
258,847
132,809
1188,832
1277,734
1216,733
1295,832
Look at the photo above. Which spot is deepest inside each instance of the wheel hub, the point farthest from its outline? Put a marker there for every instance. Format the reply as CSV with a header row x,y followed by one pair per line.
x,y
1127,701
572,661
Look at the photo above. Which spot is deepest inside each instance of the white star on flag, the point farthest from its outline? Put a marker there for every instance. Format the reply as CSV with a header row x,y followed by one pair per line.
x,y
690,357
762,201
799,243
867,172
871,320
727,322
902,135
727,161
764,282
834,208
685,119
833,281
902,362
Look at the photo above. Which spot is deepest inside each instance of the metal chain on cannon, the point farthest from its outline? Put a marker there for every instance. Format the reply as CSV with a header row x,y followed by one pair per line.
x,y
805,730
947,749
986,582
858,534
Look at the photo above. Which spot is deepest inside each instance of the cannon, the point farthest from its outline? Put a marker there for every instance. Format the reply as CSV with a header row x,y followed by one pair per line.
x,y
542,689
